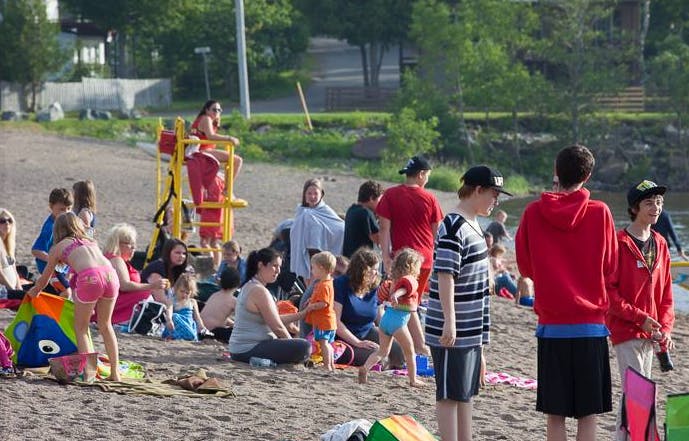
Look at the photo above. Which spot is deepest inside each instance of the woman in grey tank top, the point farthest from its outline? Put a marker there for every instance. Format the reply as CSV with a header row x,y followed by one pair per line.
x,y
259,331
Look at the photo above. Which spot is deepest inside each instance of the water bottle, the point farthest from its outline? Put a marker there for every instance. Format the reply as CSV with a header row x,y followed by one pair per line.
x,y
3,292
262,362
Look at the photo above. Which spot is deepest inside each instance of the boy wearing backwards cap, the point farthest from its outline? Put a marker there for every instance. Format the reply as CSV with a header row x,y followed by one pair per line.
x,y
566,244
458,314
641,310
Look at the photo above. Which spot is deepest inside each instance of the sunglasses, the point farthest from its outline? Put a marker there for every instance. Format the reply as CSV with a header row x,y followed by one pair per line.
x,y
216,110
6,220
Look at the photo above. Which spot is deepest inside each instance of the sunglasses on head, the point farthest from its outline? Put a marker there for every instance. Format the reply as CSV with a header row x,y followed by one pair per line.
x,y
6,220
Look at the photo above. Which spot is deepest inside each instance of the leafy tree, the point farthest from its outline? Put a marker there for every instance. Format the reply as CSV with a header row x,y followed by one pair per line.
x,y
670,76
408,135
371,25
584,58
30,49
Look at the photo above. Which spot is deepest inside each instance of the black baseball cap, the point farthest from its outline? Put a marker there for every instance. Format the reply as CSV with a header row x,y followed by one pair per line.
x,y
485,176
416,164
642,190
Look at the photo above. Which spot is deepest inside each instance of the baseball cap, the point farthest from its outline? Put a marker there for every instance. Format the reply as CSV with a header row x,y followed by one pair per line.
x,y
642,190
416,164
484,176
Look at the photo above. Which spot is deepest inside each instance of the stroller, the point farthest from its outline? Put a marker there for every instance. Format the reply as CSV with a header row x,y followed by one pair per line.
x,y
287,283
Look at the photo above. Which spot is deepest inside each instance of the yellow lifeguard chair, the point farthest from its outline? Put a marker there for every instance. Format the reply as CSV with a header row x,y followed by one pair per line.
x,y
171,194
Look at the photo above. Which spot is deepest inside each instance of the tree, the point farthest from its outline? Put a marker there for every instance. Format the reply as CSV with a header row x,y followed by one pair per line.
x,y
30,49
371,25
670,76
584,57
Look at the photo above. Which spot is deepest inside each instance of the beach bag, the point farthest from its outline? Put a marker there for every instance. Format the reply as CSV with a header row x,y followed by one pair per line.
x,y
677,417
639,407
147,318
343,353
79,367
6,352
399,428
42,328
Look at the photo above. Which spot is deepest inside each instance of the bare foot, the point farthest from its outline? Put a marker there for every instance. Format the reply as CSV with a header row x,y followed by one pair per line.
x,y
113,377
417,383
363,375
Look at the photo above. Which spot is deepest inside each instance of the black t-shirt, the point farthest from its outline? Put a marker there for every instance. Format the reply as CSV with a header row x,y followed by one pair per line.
x,y
360,223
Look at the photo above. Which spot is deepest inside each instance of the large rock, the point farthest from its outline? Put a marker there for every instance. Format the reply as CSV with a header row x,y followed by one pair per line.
x,y
54,112
86,114
102,114
10,116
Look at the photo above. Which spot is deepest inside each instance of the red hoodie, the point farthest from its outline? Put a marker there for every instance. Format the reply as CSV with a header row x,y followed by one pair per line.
x,y
566,244
638,292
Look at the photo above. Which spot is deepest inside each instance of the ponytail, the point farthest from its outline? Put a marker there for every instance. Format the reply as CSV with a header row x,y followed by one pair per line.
x,y
264,255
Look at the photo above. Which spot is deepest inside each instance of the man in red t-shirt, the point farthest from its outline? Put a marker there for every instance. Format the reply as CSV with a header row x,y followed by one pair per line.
x,y
409,216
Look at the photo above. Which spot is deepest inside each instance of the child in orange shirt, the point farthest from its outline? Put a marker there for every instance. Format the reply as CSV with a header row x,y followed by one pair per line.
x,y
322,316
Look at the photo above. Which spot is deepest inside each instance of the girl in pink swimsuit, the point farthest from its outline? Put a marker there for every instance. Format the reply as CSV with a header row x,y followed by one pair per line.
x,y
96,284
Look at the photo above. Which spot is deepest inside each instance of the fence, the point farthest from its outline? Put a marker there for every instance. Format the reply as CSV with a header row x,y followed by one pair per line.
x,y
93,93
358,98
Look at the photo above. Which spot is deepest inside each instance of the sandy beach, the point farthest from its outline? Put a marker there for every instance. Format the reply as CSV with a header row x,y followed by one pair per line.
x,y
269,404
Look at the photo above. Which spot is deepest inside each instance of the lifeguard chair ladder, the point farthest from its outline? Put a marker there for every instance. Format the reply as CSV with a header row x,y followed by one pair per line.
x,y
172,191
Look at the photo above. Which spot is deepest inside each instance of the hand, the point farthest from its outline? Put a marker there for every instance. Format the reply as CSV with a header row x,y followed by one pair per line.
x,y
169,325
649,325
447,339
683,255
161,284
394,301
367,344
483,370
667,341
234,140
33,292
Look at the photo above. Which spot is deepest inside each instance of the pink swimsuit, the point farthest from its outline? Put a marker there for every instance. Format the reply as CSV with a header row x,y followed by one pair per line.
x,y
93,283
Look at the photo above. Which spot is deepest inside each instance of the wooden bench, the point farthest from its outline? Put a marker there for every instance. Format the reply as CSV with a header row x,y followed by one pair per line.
x,y
358,98
631,99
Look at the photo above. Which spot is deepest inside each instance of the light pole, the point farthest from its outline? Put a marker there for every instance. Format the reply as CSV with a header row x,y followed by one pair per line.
x,y
244,101
203,51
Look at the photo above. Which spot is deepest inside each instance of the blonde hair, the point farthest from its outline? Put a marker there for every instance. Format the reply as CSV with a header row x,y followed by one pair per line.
x,y
186,281
326,260
84,193
68,225
497,250
232,245
117,234
407,262
9,242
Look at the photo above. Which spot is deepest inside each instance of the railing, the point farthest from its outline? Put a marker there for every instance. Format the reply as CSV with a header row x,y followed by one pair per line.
x,y
631,99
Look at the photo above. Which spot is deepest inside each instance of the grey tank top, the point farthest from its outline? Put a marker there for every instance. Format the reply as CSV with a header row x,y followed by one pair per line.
x,y
249,328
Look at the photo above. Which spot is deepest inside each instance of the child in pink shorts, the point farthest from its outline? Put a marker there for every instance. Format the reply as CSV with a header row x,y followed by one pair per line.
x,y
96,288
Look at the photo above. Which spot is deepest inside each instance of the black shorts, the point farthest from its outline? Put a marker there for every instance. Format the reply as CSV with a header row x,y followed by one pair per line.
x,y
457,372
573,376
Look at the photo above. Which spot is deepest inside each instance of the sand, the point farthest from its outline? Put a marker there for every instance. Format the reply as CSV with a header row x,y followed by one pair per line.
x,y
270,404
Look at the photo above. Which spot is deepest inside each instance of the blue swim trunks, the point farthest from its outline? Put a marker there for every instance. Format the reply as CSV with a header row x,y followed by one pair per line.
x,y
319,335
393,319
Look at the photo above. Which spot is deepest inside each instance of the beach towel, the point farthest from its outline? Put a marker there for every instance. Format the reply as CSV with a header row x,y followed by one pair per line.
x,y
677,417
318,228
639,407
495,378
399,428
6,352
128,369
43,328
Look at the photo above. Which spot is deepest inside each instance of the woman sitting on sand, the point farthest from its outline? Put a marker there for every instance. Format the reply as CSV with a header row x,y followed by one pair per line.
x,y
356,308
9,277
119,249
259,330
316,228
172,263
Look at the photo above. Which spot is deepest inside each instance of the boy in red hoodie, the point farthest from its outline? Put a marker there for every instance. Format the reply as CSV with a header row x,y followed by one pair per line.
x,y
566,244
641,312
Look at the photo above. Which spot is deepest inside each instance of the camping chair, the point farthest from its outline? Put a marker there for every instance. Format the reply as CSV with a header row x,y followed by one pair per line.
x,y
677,417
639,407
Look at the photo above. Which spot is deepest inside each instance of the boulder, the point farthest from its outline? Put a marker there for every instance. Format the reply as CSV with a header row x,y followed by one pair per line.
x,y
370,148
54,112
10,116
86,114
102,114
